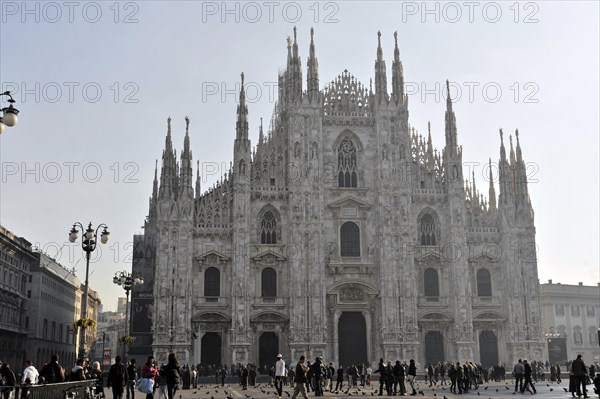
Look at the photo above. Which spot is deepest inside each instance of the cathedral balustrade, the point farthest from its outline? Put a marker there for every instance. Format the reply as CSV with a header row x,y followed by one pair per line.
x,y
433,301
485,301
349,265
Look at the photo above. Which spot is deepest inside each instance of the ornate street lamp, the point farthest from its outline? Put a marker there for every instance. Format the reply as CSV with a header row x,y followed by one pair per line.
x,y
127,281
88,244
10,113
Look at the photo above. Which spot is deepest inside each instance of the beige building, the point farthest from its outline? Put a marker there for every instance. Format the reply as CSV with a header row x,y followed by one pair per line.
x,y
571,317
341,233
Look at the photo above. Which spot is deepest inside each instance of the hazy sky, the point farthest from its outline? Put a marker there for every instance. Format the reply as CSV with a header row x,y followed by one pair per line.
x,y
96,82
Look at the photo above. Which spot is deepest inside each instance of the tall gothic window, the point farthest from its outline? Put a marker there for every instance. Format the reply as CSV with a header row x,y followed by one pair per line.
x,y
268,284
484,283
428,231
268,228
349,239
431,284
212,282
347,176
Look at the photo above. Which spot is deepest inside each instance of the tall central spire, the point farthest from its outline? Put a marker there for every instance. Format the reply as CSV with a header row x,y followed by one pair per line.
x,y
241,126
312,71
451,134
380,74
293,82
397,74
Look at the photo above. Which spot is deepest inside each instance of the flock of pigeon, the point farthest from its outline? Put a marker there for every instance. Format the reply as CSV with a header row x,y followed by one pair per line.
x,y
268,390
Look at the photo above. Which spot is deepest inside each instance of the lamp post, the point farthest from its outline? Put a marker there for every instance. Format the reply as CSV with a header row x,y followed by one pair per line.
x,y
105,338
88,244
127,281
10,117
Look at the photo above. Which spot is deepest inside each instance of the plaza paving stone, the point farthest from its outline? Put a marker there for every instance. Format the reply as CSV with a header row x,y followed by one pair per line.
x,y
492,390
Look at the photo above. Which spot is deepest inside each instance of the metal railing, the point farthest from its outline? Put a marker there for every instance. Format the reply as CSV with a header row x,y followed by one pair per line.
x,y
75,389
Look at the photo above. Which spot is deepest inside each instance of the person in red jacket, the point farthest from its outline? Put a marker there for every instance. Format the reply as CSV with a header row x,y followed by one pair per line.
x,y
150,371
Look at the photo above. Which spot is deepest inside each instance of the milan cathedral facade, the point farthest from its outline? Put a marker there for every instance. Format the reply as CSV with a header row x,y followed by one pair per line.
x,y
341,233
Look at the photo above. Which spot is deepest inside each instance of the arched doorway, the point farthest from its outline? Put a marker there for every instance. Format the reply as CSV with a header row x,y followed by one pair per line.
x,y
434,347
352,338
488,348
268,348
210,349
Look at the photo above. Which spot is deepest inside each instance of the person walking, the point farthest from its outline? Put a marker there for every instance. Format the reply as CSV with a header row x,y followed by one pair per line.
x,y
96,374
527,375
580,374
172,375
131,379
382,376
117,378
412,376
340,378
150,371
300,379
279,374
518,371
399,379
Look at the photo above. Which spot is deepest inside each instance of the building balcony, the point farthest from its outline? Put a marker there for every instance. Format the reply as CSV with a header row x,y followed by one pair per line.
x,y
213,301
350,265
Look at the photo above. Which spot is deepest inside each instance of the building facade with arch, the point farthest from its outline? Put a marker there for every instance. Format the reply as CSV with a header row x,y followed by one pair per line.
x,y
341,233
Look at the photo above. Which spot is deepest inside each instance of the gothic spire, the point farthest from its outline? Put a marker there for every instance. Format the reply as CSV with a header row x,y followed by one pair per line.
x,y
241,127
451,134
397,74
380,74
504,176
312,71
198,179
475,193
155,182
168,172
261,136
429,148
293,84
521,174
186,172
492,192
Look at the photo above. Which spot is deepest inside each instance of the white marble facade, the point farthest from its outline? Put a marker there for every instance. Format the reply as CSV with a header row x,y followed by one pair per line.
x,y
342,227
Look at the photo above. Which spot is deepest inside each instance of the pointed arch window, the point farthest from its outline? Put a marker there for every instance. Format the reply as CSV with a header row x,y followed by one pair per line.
x,y
347,172
428,230
484,283
268,284
268,228
212,282
349,239
431,283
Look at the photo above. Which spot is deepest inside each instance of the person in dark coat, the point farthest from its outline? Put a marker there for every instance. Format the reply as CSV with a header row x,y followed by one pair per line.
x,y
96,374
131,379
580,374
9,378
117,378
527,377
173,375
398,372
382,370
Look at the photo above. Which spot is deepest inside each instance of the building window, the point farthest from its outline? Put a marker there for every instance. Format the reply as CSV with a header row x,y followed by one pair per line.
x,y
593,335
484,283
349,239
53,336
575,310
427,230
347,176
431,284
590,311
45,330
559,310
268,283
212,282
268,228
577,337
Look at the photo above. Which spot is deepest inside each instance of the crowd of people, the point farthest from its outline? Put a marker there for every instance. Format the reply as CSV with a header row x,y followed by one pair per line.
x,y
317,377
